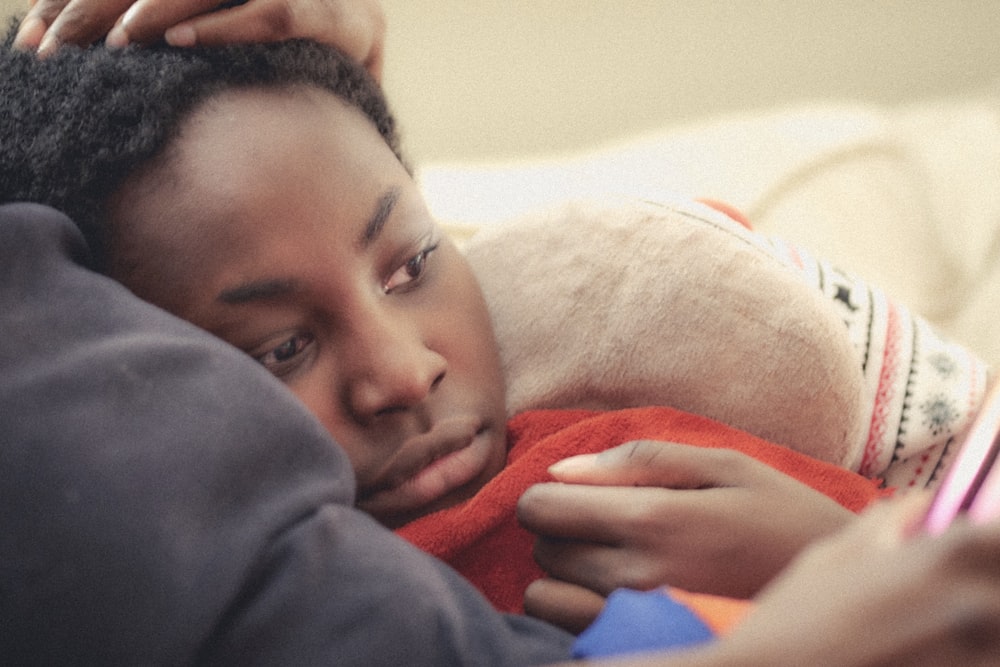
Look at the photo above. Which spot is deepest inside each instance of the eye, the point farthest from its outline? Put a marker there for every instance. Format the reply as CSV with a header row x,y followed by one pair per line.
x,y
411,272
286,356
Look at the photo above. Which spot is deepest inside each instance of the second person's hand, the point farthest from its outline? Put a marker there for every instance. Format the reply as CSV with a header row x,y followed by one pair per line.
x,y
356,27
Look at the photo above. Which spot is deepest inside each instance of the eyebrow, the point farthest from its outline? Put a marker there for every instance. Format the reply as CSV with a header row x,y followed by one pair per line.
x,y
273,288
260,290
383,210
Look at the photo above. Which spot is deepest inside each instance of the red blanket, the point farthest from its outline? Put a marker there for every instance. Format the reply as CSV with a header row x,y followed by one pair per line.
x,y
482,539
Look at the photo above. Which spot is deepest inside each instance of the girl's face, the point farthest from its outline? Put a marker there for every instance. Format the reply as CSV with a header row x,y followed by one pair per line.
x,y
282,223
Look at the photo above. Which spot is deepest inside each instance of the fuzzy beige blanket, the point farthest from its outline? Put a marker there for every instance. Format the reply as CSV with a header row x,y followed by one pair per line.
x,y
625,304
628,303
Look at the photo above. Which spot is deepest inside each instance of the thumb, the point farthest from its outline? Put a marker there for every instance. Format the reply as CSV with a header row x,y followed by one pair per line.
x,y
647,463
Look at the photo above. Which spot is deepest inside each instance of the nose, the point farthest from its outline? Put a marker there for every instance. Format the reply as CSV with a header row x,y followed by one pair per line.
x,y
392,368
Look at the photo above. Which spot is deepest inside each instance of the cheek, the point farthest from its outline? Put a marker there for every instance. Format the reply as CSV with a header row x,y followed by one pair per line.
x,y
319,396
470,331
320,403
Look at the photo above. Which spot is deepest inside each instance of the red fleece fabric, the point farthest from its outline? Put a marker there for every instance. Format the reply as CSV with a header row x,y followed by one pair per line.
x,y
482,539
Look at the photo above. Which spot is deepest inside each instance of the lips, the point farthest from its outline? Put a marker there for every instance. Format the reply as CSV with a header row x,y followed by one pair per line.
x,y
428,468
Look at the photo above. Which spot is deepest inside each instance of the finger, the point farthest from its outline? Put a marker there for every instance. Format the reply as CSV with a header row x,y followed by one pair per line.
x,y
356,29
36,21
30,32
147,21
80,22
572,512
596,567
570,607
655,463
607,514
884,524
971,548
260,21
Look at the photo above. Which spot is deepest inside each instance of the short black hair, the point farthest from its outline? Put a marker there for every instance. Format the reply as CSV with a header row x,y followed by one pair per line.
x,y
76,124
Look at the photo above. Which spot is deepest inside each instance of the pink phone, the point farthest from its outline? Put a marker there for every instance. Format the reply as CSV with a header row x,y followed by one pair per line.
x,y
972,485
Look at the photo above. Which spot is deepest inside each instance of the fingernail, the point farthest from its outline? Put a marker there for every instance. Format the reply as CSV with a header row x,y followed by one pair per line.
x,y
573,464
50,43
181,35
30,33
117,38
130,14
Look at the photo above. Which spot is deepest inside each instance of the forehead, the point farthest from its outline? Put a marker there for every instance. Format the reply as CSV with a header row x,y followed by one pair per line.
x,y
239,133
245,164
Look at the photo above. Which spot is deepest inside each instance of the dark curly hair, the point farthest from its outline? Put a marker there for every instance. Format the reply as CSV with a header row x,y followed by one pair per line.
x,y
75,125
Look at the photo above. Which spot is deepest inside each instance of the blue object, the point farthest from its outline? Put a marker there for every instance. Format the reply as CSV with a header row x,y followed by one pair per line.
x,y
635,621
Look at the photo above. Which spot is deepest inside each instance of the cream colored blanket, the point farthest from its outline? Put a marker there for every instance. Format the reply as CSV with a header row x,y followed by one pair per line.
x,y
907,197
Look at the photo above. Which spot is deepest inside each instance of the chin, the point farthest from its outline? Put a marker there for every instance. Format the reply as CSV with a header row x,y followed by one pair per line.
x,y
451,499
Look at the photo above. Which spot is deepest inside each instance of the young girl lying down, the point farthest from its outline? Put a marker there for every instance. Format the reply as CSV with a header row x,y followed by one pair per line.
x,y
338,589
259,193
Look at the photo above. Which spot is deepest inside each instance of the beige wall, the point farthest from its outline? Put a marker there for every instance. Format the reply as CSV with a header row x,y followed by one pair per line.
x,y
9,7
504,77
500,78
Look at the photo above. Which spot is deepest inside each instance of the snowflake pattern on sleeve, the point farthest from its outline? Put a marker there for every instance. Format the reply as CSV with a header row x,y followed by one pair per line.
x,y
924,390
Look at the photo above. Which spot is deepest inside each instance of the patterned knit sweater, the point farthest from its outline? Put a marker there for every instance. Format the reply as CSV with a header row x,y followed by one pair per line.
x,y
924,391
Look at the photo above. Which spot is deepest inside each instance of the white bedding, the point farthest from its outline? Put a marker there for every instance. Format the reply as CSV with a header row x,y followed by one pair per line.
x,y
908,197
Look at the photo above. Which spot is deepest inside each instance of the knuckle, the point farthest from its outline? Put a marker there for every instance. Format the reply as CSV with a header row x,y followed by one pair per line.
x,y
642,452
640,575
646,459
279,18
551,557
644,517
527,506
73,24
47,10
72,21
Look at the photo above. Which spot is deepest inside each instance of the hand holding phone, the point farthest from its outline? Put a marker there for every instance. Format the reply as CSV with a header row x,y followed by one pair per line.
x,y
972,485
